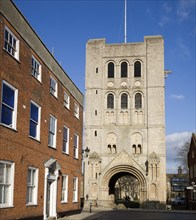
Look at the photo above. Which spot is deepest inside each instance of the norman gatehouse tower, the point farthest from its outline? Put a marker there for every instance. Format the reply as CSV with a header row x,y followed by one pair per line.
x,y
125,121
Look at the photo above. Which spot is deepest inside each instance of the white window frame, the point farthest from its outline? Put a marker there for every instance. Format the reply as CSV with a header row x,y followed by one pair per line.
x,y
76,110
76,147
52,132
66,141
66,100
9,45
37,137
14,109
64,189
53,87
33,186
9,185
35,68
75,189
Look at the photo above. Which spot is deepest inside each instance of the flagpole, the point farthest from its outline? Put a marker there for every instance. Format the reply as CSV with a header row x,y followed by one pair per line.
x,y
125,22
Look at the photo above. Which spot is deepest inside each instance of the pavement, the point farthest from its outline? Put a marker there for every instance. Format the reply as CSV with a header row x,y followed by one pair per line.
x,y
97,213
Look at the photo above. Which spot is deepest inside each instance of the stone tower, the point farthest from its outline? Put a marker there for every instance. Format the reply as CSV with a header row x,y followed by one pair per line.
x,y
125,120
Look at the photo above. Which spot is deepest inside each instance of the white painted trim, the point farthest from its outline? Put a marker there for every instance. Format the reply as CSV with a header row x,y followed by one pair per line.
x,y
53,189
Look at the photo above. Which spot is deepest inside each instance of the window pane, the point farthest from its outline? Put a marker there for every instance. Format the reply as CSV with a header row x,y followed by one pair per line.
x,y
6,115
1,194
51,137
124,102
8,174
65,134
8,96
33,177
52,125
6,194
33,129
123,69
2,170
62,195
10,40
110,70
14,44
34,112
6,35
29,177
137,69
138,100
75,140
110,101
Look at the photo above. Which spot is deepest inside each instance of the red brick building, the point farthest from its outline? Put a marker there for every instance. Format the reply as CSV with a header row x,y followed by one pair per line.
x,y
191,190
41,117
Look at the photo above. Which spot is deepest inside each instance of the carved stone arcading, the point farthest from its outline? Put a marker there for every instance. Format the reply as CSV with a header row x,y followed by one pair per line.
x,y
153,158
94,157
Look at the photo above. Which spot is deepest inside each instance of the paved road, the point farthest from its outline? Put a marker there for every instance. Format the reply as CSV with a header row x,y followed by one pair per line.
x,y
141,215
135,214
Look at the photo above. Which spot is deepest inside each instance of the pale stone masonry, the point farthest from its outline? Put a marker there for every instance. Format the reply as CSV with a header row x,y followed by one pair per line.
x,y
125,119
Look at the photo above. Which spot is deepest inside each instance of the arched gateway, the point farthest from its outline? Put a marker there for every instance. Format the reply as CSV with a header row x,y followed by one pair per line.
x,y
111,177
100,187
125,122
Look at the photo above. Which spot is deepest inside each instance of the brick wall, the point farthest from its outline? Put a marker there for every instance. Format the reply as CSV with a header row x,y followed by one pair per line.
x,y
17,146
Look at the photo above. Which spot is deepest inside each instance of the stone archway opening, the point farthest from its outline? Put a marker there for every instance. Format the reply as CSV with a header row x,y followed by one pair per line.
x,y
109,191
125,188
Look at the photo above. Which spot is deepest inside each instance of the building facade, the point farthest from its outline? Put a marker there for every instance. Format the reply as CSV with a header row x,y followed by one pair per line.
x,y
41,117
176,187
125,120
191,190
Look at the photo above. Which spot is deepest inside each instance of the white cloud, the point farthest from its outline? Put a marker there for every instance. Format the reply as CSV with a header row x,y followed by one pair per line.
x,y
166,14
178,97
166,7
172,142
164,20
184,9
185,52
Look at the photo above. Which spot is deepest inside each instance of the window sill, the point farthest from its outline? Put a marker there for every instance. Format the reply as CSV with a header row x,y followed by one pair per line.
x,y
76,117
55,96
67,154
54,148
64,202
6,126
6,206
68,108
11,55
34,139
31,204
36,79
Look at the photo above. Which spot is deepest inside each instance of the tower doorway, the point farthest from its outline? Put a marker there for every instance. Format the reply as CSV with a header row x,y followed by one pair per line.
x,y
125,188
124,182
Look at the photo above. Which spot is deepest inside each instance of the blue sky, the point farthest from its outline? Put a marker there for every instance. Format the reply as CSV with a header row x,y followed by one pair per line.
x,y
65,27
